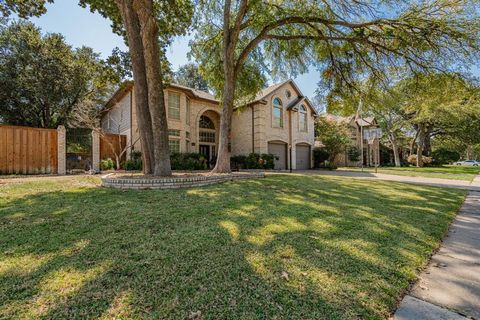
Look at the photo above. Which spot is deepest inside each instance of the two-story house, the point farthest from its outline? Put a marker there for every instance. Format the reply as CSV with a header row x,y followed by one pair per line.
x,y
280,121
371,149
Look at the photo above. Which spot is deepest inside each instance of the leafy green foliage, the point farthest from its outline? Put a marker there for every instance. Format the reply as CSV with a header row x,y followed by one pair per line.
x,y
333,135
189,75
353,153
179,161
43,78
24,8
444,156
134,163
253,161
320,155
188,161
345,41
107,164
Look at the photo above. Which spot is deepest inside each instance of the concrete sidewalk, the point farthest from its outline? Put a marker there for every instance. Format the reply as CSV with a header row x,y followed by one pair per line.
x,y
448,183
450,286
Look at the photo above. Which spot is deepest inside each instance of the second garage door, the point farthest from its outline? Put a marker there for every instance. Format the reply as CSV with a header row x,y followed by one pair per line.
x,y
280,151
302,157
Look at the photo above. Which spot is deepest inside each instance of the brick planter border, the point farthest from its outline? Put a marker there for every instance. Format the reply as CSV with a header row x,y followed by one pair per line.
x,y
111,181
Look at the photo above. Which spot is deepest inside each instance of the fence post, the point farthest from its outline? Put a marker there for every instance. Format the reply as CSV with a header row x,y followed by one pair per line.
x,y
61,150
95,150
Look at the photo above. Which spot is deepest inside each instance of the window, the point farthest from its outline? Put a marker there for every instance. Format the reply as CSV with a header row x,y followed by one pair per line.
x,y
187,135
288,94
174,145
174,133
207,136
206,123
187,115
277,113
174,105
302,118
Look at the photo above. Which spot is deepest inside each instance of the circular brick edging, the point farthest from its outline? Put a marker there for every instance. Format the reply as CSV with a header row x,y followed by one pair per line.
x,y
111,181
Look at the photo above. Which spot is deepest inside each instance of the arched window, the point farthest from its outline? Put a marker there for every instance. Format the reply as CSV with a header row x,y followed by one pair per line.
x,y
207,130
206,123
302,118
277,113
288,94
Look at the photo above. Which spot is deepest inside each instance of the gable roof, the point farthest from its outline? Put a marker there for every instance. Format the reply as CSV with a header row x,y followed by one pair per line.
x,y
260,97
199,94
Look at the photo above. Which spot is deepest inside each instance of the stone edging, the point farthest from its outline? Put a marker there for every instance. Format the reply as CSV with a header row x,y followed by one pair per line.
x,y
174,182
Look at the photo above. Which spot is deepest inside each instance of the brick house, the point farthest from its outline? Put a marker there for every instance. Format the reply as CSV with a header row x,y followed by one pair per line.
x,y
280,121
371,152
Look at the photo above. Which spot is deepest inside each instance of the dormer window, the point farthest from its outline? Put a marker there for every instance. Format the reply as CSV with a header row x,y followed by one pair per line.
x,y
277,113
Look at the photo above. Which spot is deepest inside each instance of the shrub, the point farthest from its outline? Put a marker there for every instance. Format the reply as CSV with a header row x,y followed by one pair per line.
x,y
353,153
320,155
135,163
412,159
253,161
107,164
445,156
188,161
328,165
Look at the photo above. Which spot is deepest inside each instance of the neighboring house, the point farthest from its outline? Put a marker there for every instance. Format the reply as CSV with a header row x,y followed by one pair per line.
x,y
280,120
371,151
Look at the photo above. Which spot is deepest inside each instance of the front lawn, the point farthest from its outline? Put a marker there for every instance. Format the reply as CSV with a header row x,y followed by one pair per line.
x,y
443,172
283,247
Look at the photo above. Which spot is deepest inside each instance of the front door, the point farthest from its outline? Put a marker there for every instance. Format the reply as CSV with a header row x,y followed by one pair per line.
x,y
205,150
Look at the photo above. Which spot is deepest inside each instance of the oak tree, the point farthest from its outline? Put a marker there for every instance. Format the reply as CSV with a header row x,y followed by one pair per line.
x,y
241,43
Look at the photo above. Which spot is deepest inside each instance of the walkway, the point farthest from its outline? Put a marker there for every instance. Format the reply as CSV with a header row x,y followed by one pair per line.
x,y
449,288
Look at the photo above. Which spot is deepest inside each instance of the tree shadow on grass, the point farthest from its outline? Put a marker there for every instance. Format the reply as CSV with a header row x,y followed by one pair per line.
x,y
286,247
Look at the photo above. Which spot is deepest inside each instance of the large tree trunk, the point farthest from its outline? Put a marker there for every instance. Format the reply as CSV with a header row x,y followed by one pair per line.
x,y
396,154
144,121
223,158
154,76
229,41
420,145
427,148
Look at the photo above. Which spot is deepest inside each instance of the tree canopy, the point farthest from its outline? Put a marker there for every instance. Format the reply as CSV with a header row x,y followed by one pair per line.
x,y
189,75
43,78
242,43
424,107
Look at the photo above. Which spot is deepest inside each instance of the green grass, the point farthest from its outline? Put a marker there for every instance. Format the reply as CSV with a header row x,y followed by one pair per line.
x,y
283,247
444,172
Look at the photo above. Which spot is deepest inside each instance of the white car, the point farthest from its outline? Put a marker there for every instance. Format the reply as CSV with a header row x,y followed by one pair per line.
x,y
474,163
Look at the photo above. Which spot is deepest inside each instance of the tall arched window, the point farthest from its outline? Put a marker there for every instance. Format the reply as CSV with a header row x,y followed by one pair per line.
x,y
277,113
302,118
206,123
207,130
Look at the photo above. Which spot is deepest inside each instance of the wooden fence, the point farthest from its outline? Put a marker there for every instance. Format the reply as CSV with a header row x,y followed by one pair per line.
x,y
118,145
25,150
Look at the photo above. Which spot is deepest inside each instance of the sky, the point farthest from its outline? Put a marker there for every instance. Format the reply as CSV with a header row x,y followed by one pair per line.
x,y
81,27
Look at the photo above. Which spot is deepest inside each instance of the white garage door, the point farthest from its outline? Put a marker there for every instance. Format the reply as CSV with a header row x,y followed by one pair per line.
x,y
302,157
280,151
